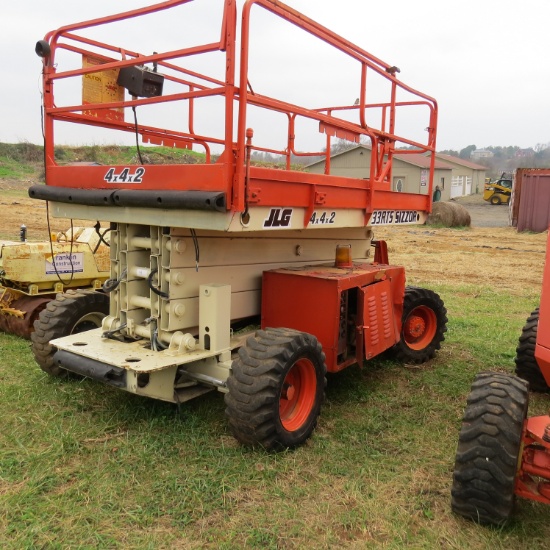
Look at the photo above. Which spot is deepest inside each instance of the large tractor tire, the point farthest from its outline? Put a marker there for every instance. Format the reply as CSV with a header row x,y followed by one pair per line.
x,y
526,364
489,446
276,389
71,312
423,328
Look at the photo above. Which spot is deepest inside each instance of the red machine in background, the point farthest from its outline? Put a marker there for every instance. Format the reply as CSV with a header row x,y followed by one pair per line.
x,y
502,453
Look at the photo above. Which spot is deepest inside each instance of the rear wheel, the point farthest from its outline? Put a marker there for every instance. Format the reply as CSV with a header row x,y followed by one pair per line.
x,y
526,364
276,389
423,327
489,446
71,312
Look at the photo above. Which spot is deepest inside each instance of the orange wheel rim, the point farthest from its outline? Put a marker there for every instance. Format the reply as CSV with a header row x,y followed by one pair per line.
x,y
420,327
297,395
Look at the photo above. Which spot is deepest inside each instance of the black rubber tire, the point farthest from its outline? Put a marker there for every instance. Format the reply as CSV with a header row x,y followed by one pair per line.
x,y
259,411
495,200
427,305
71,312
526,364
489,446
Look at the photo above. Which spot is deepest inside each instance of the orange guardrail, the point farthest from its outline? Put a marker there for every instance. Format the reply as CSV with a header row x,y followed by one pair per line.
x,y
105,104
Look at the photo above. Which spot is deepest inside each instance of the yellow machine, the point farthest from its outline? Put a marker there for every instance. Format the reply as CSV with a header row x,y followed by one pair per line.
x,y
32,273
499,191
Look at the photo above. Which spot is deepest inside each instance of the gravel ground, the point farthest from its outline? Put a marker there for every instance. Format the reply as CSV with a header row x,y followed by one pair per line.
x,y
483,213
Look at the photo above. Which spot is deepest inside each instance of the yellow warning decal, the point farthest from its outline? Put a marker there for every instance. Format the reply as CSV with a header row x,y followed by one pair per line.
x,y
101,87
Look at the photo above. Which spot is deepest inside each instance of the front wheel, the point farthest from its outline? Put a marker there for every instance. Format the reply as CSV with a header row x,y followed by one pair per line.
x,y
424,324
276,389
495,200
70,313
489,447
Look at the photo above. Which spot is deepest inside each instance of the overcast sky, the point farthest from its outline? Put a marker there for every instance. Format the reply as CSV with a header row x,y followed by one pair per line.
x,y
485,62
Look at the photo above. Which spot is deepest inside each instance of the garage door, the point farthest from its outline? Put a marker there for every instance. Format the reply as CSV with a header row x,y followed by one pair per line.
x,y
457,186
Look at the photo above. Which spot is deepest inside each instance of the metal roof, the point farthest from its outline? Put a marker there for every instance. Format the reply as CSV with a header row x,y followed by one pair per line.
x,y
416,159
462,162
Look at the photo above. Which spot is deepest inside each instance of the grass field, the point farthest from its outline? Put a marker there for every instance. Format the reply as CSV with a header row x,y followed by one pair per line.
x,y
86,466
26,161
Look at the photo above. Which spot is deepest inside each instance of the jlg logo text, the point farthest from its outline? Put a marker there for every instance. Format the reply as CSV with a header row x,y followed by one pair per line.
x,y
278,218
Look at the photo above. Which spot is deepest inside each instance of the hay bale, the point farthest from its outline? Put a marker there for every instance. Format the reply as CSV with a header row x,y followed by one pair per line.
x,y
449,214
462,216
442,214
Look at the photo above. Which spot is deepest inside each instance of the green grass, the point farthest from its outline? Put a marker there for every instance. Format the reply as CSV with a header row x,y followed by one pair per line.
x,y
11,168
111,154
24,160
14,170
83,465
21,161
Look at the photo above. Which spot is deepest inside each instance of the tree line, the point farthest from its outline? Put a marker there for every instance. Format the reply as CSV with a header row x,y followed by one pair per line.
x,y
502,159
508,158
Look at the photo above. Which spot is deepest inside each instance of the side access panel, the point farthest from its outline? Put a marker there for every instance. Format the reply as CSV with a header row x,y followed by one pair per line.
x,y
376,310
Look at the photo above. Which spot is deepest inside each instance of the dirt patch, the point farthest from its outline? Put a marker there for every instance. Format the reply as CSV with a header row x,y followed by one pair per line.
x,y
489,251
513,262
18,209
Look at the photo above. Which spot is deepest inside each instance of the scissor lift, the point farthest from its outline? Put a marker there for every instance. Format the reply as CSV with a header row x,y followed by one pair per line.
x,y
200,250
